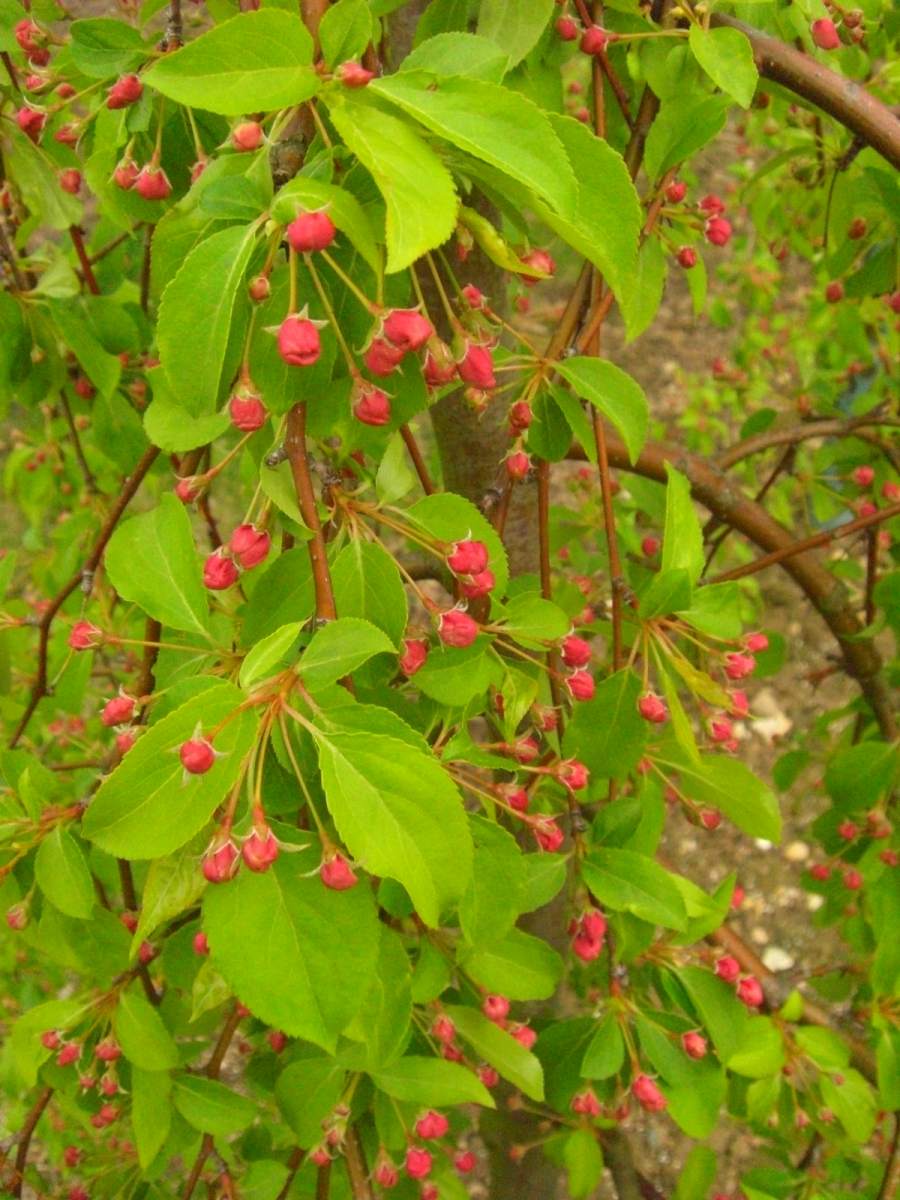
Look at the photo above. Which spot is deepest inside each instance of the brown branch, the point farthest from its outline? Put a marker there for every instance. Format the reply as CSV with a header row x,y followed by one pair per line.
x,y
117,241
409,439
295,446
627,1180
87,271
25,1136
89,481
211,1071
851,105
355,1158
8,251
130,900
798,433
890,1183
293,1164
826,594
811,543
84,578
323,1181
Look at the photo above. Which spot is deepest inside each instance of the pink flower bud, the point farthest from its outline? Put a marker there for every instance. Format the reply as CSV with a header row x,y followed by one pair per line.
x,y
219,572
586,1103
825,34
407,329
84,636
247,411
28,35
117,711
17,916
126,173
650,546
524,1035
465,1162
417,1162
573,774
200,943
676,191
246,136
648,1094
337,874
548,834
518,464
488,1076
476,366
495,1008
834,291
259,288
541,261
443,1029
581,685
250,545
382,358
222,864
712,205
694,1045
740,705
863,477
687,257
70,1053
31,122
520,416
566,29
738,666
847,830
710,818
298,341
71,1156
70,181
431,1125
652,708
749,992
439,367
125,740
67,135
594,40
718,231
756,642
126,90
728,968
277,1040
50,1039
152,183
820,872
585,948
456,628
354,75
311,231
373,407
197,755
386,1174
260,850
415,652
852,880
468,558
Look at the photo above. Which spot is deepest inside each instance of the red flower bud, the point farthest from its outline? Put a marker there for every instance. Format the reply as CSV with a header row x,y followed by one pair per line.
x,y
863,477
417,1162
431,1125
834,291
465,1162
548,834
298,341
576,652
648,1094
473,586
439,367
407,329
594,40
219,572
825,34
456,628
443,1029
67,135
70,1053
260,849
495,1008
694,1045
50,1039
728,968
586,1103
852,880
28,35
749,992
738,666
354,75
687,257
248,135
31,122
476,366
573,774
84,636
222,864
541,261
520,416
152,183
382,358
820,872
337,874
468,558
415,652
712,205
70,181
566,29
200,943
311,231
676,191
197,755
250,545
653,708
718,231
488,1076
124,91
710,818
581,685
524,1035
247,411
373,407
518,464
117,711
259,288
126,173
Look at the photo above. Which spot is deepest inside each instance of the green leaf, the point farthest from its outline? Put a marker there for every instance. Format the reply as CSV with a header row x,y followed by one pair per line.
x,y
853,1103
497,126
256,62
432,1082
727,58
146,807
168,426
208,991
760,1049
151,1112
102,368
629,882
151,561
620,398
515,25
605,224
284,593
729,785
269,654
449,518
825,1048
212,1107
491,904
667,592
682,547
299,955
531,620
37,178
63,875
641,301
367,583
140,1031
683,125
345,30
498,1048
303,194
520,966
418,190
722,1014
103,47
383,1022
338,648
307,1091
195,314
583,1160
455,53
605,1053
857,777
394,477
172,885
399,813
697,1175
455,676
607,733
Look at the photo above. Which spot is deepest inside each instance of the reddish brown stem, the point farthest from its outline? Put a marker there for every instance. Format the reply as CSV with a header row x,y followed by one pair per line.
x,y
355,1158
543,489
211,1071
89,481
409,439
130,900
85,578
293,1164
87,271
34,1115
871,573
295,447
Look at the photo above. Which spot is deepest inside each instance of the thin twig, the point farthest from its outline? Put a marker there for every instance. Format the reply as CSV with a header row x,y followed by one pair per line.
x,y
89,481
25,1136
415,454
87,271
295,446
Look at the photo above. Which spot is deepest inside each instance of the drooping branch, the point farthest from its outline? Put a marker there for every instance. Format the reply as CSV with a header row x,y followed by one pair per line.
x,y
798,433
34,1115
854,107
295,446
